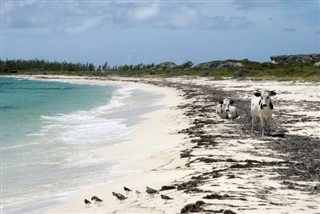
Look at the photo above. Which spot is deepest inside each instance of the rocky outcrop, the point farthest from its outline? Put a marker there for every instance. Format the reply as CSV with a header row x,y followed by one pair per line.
x,y
291,59
166,66
214,65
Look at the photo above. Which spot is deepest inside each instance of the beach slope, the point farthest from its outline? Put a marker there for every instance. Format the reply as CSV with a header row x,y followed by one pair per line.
x,y
208,164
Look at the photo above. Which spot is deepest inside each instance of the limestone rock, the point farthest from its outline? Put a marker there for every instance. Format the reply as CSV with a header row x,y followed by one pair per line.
x,y
218,64
166,65
291,59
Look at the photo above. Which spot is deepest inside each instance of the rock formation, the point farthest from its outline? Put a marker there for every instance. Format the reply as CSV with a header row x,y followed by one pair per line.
x,y
213,65
291,59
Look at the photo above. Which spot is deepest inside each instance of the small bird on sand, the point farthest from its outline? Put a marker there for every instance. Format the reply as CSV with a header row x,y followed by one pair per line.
x,y
96,200
119,196
93,198
115,194
87,203
166,198
127,189
151,191
138,193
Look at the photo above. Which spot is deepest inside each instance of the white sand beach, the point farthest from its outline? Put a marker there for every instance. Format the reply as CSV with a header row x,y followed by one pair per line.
x,y
222,165
151,153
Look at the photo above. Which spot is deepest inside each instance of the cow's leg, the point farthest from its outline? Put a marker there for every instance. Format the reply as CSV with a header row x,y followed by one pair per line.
x,y
263,126
255,123
268,126
254,120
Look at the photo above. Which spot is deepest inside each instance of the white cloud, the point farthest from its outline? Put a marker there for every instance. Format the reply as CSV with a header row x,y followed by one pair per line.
x,y
85,25
79,16
185,17
146,12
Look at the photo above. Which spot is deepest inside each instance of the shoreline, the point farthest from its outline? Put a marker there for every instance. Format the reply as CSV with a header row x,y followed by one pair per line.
x,y
141,148
215,161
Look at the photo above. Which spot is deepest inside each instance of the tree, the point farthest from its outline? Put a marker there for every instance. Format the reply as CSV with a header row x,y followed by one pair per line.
x,y
105,66
186,65
91,67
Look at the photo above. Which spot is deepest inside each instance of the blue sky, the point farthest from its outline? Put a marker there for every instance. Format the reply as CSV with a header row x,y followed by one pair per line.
x,y
141,31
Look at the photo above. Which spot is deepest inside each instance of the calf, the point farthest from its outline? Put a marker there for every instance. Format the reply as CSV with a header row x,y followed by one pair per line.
x,y
221,108
261,109
226,110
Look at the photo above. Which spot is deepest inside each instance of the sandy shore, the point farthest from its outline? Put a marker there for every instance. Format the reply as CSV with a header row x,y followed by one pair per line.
x,y
150,153
216,162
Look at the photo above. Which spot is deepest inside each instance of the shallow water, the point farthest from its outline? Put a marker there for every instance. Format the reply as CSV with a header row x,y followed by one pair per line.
x,y
50,132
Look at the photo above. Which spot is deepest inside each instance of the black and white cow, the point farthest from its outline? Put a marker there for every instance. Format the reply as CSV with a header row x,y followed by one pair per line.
x,y
261,110
226,110
221,109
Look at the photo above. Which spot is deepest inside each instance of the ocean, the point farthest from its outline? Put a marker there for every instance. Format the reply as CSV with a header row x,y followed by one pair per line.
x,y
50,132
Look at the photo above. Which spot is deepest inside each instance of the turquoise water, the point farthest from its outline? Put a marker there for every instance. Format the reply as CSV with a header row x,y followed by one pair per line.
x,y
23,102
49,134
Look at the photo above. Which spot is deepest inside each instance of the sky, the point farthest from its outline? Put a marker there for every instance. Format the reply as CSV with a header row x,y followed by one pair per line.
x,y
143,31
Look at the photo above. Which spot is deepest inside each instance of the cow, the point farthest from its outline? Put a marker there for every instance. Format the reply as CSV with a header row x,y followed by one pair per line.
x,y
221,109
226,110
261,110
232,112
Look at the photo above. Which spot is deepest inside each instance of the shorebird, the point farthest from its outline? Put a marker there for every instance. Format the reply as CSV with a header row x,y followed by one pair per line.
x,y
151,191
119,196
87,203
115,194
166,198
93,198
96,200
127,189
138,193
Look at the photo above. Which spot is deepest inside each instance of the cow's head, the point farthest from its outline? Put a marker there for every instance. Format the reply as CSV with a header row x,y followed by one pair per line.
x,y
265,98
220,107
227,103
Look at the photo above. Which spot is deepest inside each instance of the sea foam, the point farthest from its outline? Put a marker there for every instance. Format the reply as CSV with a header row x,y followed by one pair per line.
x,y
59,157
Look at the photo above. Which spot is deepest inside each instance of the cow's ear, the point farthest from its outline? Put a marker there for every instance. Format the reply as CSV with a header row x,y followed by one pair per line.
x,y
257,94
231,102
221,101
272,93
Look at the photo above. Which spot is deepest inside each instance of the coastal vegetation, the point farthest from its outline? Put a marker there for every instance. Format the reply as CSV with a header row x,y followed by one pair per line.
x,y
285,67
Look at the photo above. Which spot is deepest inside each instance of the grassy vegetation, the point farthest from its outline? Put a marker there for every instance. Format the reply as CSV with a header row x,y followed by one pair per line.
x,y
251,70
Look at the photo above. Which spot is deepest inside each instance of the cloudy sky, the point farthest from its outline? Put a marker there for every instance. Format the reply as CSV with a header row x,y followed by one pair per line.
x,y
144,31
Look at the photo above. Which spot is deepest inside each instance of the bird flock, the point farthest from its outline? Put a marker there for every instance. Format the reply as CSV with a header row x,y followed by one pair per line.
x,y
151,192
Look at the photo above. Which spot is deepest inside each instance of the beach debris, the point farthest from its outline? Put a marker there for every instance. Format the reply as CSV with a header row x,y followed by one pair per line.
x,y
216,196
87,203
127,189
165,198
151,191
186,153
228,212
163,188
189,186
193,207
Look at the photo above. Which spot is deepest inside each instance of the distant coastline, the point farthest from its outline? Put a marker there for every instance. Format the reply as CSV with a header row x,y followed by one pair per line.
x,y
284,67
